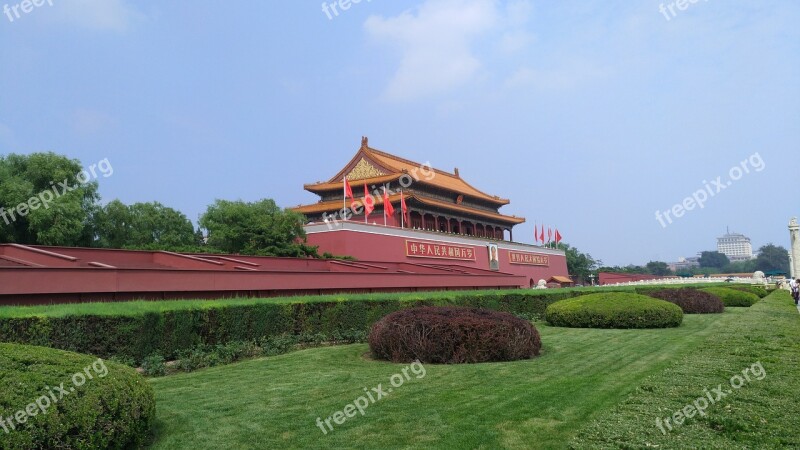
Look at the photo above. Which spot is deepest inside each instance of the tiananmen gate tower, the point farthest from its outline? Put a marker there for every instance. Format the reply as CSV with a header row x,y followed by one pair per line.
x,y
437,200
448,220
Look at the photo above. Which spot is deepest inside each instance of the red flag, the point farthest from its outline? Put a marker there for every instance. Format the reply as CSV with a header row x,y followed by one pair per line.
x,y
348,191
535,233
387,205
541,235
403,207
558,236
369,204
549,234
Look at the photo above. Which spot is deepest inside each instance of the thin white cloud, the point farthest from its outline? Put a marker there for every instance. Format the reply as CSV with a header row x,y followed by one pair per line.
x,y
97,15
519,12
569,76
435,45
515,41
88,122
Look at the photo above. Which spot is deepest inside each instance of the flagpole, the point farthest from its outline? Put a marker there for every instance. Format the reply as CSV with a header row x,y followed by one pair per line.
x,y
384,205
402,213
344,196
367,210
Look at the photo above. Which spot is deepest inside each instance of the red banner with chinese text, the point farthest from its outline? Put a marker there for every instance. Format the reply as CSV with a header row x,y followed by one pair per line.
x,y
531,259
444,251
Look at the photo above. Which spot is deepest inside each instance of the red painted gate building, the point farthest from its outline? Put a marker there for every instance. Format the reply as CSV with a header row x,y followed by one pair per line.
x,y
447,220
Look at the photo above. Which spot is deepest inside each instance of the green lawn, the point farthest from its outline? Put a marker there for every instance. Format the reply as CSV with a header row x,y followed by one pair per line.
x,y
762,413
541,403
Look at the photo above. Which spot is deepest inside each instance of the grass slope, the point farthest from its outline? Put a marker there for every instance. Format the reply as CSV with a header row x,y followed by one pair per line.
x,y
760,414
540,403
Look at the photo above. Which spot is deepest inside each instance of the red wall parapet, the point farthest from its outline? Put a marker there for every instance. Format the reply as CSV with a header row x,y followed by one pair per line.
x,y
62,274
469,254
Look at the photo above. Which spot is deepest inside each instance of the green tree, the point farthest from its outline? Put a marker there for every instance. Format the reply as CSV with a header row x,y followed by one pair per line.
x,y
150,225
771,258
579,265
748,266
630,268
658,268
112,225
257,228
715,260
45,200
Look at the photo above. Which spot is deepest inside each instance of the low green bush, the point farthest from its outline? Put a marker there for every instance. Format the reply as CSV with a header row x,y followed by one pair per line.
x,y
154,366
209,356
733,297
614,310
277,324
757,290
56,399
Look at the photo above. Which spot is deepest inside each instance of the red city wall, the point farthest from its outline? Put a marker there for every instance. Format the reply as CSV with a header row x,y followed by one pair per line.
x,y
376,242
37,275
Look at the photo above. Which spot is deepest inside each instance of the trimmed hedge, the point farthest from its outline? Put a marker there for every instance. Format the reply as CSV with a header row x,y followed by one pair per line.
x,y
172,333
733,297
78,401
757,290
614,310
691,301
453,335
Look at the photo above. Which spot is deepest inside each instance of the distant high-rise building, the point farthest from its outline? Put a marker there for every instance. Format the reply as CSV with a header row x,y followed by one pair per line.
x,y
735,246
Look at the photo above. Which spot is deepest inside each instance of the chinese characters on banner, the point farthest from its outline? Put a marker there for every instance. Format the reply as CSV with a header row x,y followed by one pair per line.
x,y
530,259
444,251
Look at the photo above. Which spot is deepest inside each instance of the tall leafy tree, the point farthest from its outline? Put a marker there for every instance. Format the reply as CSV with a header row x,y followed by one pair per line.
x,y
255,228
714,259
771,258
580,265
45,201
112,225
658,268
748,266
148,225
630,268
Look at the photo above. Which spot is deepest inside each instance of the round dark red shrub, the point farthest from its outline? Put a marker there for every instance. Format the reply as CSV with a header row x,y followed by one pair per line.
x,y
453,335
691,301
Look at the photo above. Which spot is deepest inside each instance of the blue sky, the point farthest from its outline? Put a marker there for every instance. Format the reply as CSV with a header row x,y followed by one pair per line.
x,y
588,115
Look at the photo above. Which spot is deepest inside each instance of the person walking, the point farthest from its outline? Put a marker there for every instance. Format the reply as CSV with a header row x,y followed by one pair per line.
x,y
794,285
